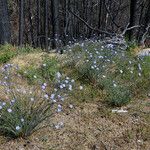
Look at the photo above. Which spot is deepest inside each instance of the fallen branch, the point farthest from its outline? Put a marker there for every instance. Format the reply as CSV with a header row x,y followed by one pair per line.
x,y
89,26
127,29
145,35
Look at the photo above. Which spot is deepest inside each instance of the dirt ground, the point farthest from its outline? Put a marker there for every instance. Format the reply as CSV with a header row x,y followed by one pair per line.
x,y
92,126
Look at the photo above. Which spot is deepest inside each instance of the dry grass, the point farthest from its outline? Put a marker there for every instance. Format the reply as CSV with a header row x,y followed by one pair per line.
x,y
29,59
88,126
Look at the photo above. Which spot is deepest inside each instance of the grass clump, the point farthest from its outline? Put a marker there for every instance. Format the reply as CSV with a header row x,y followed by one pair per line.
x,y
27,49
6,53
118,95
46,71
22,109
25,109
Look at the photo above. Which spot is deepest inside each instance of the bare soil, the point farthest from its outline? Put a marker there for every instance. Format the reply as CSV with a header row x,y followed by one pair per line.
x,y
91,126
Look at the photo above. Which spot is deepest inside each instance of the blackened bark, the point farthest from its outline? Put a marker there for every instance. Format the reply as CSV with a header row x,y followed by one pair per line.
x,y
5,34
55,22
21,22
132,21
46,25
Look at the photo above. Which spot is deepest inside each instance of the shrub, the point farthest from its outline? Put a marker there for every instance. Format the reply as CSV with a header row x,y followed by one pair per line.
x,y
118,95
49,68
6,53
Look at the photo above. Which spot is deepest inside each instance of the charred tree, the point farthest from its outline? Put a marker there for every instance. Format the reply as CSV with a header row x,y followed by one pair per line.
x,y
5,34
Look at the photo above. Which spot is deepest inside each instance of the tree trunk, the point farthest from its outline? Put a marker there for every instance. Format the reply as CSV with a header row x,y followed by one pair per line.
x,y
132,21
46,25
5,35
21,22
55,22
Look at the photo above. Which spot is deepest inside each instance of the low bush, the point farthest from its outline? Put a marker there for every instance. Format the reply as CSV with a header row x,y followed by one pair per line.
x,y
6,53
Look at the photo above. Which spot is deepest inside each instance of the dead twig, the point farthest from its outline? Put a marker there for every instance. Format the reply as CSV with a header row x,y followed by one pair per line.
x,y
89,26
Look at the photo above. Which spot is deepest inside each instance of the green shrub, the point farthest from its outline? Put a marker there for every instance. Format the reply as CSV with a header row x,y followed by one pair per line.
x,y
49,68
118,96
6,53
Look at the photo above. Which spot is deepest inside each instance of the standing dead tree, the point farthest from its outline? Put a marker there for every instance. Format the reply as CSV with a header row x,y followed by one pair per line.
x,y
4,23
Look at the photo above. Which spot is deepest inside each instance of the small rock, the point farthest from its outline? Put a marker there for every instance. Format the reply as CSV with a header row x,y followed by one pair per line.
x,y
119,111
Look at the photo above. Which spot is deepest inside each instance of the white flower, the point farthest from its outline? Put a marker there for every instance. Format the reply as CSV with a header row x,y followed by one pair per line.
x,y
81,87
1,107
6,77
59,109
59,125
44,65
52,96
67,78
3,103
72,80
70,87
92,67
62,99
104,76
66,81
131,71
55,90
121,71
45,84
9,110
58,75
114,85
43,87
32,99
139,66
22,120
140,74
46,96
54,101
35,76
13,100
18,128
71,106
61,86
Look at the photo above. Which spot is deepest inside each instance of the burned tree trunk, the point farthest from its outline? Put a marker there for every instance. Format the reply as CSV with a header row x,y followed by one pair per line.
x,y
5,35
55,21
132,21
21,22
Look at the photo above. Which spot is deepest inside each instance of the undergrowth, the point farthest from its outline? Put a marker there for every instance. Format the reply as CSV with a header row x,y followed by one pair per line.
x,y
110,68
